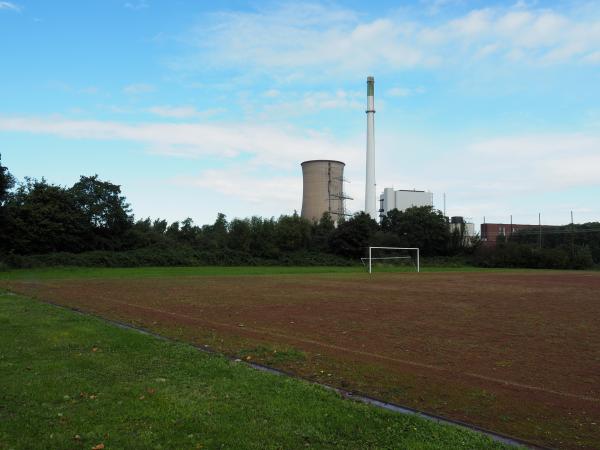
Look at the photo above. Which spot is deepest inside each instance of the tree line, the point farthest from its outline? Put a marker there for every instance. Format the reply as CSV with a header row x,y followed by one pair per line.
x,y
91,223
93,217
574,246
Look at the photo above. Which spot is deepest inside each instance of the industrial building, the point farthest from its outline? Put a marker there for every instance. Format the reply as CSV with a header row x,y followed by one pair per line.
x,y
323,189
464,228
490,232
402,199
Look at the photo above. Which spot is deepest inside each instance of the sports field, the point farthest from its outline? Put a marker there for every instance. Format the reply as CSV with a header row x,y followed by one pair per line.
x,y
70,381
517,352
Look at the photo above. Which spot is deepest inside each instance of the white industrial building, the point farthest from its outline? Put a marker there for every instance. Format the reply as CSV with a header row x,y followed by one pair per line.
x,y
403,199
464,228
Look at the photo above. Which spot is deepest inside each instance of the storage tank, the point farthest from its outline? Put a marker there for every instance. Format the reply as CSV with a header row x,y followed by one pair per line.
x,y
323,189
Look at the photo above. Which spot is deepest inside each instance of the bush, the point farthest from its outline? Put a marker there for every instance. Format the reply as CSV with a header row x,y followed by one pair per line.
x,y
173,255
512,254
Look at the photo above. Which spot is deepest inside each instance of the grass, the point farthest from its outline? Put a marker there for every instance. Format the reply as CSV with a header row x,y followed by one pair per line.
x,y
141,272
69,381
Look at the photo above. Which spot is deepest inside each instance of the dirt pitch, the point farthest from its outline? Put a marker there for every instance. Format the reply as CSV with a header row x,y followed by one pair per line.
x,y
518,353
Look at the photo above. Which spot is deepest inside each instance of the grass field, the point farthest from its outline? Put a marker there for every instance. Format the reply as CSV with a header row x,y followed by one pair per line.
x,y
69,381
150,272
509,350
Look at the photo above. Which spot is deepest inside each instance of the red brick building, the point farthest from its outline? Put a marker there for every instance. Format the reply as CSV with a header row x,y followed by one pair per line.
x,y
491,231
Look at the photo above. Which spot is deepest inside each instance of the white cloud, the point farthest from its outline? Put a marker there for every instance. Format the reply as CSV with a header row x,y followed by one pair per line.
x,y
182,112
482,177
272,93
136,6
282,147
592,58
404,91
10,6
323,40
248,185
139,88
284,105
542,161
496,177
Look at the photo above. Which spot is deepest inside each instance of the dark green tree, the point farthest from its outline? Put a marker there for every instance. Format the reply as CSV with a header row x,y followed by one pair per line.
x,y
321,231
240,235
7,182
263,237
421,227
159,226
189,233
292,233
43,218
215,236
107,213
352,237
172,231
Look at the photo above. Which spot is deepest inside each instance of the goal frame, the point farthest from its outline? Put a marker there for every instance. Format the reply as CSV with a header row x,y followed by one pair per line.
x,y
393,248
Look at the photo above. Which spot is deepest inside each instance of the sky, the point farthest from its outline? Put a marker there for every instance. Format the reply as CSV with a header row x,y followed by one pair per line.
x,y
197,107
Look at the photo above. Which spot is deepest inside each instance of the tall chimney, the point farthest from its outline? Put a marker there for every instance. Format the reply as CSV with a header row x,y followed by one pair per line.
x,y
370,194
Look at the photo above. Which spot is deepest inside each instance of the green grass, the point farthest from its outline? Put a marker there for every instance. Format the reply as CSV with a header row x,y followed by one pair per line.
x,y
140,272
69,381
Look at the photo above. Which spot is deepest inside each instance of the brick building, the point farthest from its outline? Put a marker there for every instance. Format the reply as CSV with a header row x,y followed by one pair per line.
x,y
491,231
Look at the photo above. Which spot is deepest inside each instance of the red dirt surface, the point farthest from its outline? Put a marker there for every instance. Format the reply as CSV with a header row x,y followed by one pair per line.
x,y
516,353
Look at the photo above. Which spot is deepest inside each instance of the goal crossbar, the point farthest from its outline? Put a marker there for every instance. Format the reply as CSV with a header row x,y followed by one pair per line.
x,y
391,257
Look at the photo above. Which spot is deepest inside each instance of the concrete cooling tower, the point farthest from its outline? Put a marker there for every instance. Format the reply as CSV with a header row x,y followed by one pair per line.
x,y
323,189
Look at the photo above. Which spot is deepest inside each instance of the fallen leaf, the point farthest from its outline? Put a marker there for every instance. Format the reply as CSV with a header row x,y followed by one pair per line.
x,y
98,447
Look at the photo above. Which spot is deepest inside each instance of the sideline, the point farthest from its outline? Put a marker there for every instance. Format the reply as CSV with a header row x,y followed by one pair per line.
x,y
505,439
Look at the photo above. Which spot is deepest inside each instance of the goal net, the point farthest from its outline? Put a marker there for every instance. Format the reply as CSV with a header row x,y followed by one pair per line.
x,y
384,257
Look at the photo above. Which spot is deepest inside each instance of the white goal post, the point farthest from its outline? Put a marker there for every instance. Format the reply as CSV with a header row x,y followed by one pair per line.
x,y
392,257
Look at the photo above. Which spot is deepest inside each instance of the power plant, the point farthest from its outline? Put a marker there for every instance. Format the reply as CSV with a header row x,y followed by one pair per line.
x,y
403,199
323,189
370,187
323,182
323,179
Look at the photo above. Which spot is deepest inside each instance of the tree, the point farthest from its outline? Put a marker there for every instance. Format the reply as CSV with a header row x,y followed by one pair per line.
x,y
159,226
43,218
263,237
188,233
321,231
421,227
240,235
215,235
107,213
353,236
7,182
292,233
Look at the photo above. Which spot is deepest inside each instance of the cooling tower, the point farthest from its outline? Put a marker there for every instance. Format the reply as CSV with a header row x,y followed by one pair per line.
x,y
323,189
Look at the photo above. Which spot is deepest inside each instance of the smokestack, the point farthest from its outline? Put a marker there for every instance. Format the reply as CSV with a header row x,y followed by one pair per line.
x,y
370,194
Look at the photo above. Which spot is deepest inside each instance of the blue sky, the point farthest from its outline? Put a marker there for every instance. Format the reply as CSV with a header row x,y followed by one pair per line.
x,y
204,107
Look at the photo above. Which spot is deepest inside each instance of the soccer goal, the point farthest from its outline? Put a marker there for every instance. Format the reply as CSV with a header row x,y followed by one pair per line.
x,y
391,255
